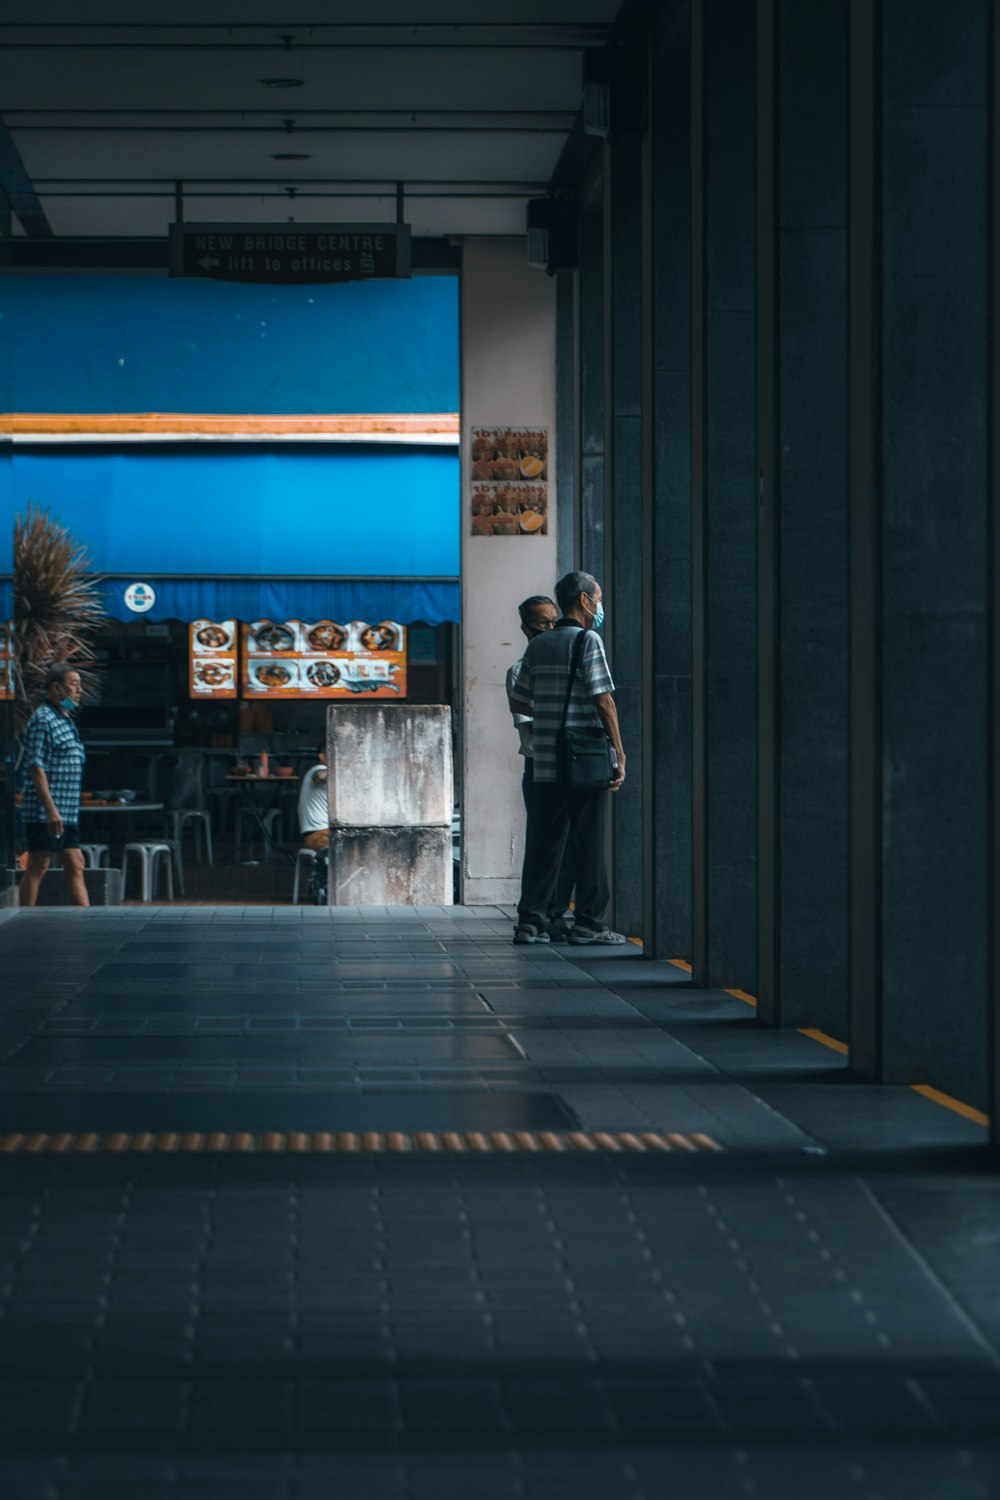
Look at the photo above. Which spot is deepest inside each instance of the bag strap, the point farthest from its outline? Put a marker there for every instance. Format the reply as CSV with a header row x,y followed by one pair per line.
x,y
573,668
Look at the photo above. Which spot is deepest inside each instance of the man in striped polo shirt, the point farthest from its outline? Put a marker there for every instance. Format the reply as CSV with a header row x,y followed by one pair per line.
x,y
540,691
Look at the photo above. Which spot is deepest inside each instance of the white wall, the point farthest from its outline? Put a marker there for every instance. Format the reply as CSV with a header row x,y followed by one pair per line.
x,y
508,379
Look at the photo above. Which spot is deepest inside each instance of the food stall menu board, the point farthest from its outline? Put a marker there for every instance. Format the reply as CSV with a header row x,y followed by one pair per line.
x,y
293,659
213,659
6,661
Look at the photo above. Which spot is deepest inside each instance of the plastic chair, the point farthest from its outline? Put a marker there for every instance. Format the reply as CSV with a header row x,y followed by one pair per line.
x,y
178,819
95,856
305,859
271,819
222,802
183,780
148,855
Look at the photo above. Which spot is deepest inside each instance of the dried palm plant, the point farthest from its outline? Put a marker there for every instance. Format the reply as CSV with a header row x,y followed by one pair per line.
x,y
58,604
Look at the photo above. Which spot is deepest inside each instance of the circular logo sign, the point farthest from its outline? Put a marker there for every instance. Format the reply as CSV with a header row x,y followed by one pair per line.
x,y
140,597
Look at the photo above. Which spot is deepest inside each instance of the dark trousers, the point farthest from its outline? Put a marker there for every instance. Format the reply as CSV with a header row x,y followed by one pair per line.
x,y
553,815
566,878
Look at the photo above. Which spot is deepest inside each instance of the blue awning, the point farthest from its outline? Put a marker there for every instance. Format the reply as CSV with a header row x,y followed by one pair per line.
x,y
402,599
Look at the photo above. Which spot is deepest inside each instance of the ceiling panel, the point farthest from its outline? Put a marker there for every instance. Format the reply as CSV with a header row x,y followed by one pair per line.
x,y
387,78
386,157
383,93
317,12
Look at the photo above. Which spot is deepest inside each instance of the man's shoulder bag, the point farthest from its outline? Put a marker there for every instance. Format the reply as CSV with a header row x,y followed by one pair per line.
x,y
583,752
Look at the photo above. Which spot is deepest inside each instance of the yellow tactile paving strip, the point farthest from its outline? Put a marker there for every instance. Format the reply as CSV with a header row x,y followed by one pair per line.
x,y
357,1142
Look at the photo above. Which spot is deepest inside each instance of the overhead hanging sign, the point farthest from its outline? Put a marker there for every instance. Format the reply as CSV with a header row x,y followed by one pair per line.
x,y
273,253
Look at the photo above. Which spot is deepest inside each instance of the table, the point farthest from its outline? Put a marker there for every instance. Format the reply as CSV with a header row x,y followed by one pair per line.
x,y
126,807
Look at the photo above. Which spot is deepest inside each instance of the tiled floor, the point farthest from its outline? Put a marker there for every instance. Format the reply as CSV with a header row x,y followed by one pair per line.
x,y
812,1313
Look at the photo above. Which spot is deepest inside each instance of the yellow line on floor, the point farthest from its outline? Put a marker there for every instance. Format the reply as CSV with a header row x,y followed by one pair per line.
x,y
957,1106
742,995
824,1040
355,1143
680,963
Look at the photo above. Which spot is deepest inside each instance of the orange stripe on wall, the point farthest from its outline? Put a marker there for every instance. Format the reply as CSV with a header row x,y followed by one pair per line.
x,y
116,424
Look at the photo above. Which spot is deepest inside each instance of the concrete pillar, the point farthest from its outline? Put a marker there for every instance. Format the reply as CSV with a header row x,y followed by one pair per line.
x,y
803,468
391,795
591,544
667,645
934,531
508,380
725,489
566,422
622,578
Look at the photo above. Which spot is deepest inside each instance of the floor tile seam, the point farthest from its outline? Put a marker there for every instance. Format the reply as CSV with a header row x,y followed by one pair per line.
x,y
951,1297
723,1073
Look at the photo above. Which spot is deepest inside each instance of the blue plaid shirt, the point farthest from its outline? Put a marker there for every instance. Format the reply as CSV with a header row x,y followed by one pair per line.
x,y
53,742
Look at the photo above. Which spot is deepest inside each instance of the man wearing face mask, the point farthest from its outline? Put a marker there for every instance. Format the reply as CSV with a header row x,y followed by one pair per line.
x,y
539,615
53,763
540,692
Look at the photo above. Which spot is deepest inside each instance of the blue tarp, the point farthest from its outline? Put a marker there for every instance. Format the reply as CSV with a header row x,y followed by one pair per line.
x,y
211,511
261,599
145,344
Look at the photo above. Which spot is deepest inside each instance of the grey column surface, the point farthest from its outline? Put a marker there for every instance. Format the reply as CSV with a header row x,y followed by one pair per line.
x,y
590,477
994,577
699,505
730,585
667,930
812,517
565,423
623,484
865,480
934,394
768,509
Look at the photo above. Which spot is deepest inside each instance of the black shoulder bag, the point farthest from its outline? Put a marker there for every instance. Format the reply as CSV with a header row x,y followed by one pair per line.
x,y
583,752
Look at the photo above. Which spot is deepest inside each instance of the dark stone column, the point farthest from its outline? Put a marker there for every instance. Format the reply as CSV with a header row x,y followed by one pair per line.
x,y
623,581
934,541
667,924
566,455
730,538
812,531
590,555
993,1104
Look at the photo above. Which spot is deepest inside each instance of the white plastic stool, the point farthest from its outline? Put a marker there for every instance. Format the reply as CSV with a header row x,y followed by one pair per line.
x,y
305,857
147,855
95,856
271,819
179,817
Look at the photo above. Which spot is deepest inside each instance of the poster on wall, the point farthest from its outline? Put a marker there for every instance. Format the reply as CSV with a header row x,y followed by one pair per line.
x,y
6,660
324,659
212,659
509,481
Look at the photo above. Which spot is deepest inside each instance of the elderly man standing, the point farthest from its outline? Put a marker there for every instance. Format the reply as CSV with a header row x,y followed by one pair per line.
x,y
539,614
550,692
53,762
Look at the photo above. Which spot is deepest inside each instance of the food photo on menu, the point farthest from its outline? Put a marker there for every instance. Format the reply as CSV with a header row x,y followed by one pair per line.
x,y
272,676
213,659
265,636
326,635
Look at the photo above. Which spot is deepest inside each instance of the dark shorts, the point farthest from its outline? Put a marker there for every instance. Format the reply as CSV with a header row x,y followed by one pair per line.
x,y
41,841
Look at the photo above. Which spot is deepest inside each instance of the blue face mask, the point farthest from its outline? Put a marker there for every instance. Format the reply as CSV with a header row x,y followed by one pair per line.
x,y
598,619
67,704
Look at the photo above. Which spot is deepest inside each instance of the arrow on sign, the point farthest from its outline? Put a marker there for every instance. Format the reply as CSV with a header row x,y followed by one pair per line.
x,y
208,261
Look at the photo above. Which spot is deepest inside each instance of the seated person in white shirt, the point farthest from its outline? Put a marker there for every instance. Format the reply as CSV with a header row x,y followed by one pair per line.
x,y
314,806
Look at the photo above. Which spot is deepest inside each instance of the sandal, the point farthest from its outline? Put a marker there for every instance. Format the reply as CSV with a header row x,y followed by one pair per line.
x,y
602,935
